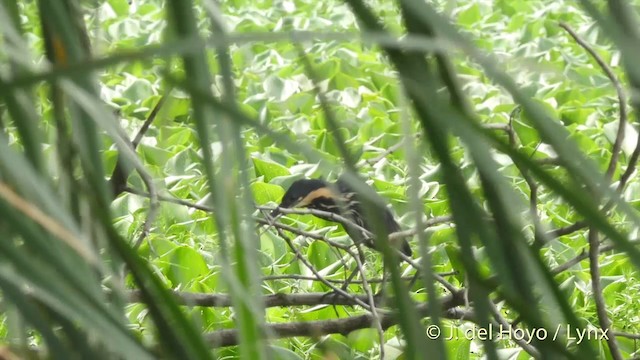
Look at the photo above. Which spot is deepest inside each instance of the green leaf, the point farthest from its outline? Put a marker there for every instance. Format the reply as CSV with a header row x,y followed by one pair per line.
x,y
268,169
363,340
470,15
320,254
284,354
264,193
186,265
280,89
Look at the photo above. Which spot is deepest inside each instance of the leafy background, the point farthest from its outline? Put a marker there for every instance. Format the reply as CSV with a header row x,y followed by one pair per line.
x,y
363,93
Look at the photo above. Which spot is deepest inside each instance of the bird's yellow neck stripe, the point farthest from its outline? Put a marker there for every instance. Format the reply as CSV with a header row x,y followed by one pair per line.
x,y
316,194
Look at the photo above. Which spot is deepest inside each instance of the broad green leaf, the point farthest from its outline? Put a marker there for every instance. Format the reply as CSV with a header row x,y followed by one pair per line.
x,y
264,193
186,265
268,169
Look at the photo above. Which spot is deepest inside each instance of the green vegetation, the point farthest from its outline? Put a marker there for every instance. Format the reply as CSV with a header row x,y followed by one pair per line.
x,y
491,128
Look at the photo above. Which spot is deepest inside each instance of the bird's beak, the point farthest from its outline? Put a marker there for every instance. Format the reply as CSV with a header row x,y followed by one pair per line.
x,y
275,212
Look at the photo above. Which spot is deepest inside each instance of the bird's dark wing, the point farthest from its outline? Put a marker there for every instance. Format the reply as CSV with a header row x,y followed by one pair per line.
x,y
355,212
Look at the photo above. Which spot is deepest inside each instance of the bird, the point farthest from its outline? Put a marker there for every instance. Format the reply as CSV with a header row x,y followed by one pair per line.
x,y
339,198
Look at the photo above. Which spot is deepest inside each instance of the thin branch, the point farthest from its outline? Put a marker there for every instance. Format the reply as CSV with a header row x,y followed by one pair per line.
x,y
526,346
323,214
438,220
313,278
315,272
343,326
154,207
615,152
633,161
390,150
357,257
567,229
120,175
375,317
447,285
583,255
539,239
344,221
596,286
273,300
622,98
626,335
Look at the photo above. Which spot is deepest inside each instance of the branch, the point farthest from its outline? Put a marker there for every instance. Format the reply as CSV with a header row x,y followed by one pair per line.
x,y
594,241
615,152
229,337
273,300
596,286
328,215
626,335
347,222
622,98
567,229
317,274
390,150
525,345
323,214
313,278
120,175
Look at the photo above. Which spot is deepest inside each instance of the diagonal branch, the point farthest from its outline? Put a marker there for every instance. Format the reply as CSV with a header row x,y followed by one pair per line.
x,y
622,98
120,175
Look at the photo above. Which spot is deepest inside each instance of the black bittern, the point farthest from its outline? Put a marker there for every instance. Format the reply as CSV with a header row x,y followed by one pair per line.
x,y
341,199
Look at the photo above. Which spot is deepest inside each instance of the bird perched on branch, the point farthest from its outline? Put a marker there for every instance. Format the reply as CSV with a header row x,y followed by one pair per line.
x,y
341,199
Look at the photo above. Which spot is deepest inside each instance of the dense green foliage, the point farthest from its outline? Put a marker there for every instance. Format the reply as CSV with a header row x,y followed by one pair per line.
x,y
246,97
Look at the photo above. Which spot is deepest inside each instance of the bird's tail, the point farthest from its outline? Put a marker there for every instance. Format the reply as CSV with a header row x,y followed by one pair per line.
x,y
406,248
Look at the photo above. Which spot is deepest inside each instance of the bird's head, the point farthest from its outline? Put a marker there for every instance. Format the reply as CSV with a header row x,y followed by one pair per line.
x,y
303,193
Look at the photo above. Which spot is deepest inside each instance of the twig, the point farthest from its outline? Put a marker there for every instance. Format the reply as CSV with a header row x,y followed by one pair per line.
x,y
315,272
120,175
533,186
273,300
360,268
596,286
343,326
626,335
390,150
447,285
393,236
567,229
622,98
312,278
154,207
594,241
375,317
331,216
530,349
344,221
